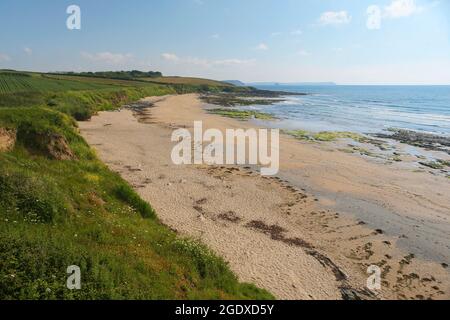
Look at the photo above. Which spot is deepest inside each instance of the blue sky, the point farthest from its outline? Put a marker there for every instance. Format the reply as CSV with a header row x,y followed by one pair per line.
x,y
346,41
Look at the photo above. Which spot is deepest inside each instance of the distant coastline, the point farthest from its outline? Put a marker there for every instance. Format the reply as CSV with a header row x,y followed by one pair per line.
x,y
292,84
239,83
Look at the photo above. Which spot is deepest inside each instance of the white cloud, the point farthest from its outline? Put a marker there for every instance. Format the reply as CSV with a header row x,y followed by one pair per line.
x,y
402,8
275,34
231,62
205,63
338,50
4,57
396,9
28,51
215,36
335,18
262,47
297,32
170,57
108,57
374,17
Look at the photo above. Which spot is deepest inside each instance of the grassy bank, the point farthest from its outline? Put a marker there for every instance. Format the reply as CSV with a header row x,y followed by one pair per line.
x,y
80,97
61,206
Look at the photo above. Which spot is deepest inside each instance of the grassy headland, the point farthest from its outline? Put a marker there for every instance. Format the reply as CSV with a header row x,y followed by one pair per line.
x,y
61,206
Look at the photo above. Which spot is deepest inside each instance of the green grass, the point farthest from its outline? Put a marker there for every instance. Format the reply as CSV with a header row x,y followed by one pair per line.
x,y
241,114
27,82
80,97
55,213
83,104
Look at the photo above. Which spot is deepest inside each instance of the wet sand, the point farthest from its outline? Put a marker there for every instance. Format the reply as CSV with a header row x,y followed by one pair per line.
x,y
309,233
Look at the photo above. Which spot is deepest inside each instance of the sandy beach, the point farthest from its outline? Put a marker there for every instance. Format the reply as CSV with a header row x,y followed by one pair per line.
x,y
309,233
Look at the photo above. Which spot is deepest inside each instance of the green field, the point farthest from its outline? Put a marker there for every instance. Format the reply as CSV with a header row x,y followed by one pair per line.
x,y
28,82
61,206
81,96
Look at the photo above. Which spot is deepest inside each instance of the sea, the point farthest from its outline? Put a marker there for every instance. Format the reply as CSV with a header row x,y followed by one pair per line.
x,y
362,109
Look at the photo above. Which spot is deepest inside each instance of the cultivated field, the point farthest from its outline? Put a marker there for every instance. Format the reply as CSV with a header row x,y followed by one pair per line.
x,y
12,82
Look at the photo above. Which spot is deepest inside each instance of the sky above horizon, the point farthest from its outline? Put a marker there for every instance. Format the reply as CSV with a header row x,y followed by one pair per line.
x,y
343,41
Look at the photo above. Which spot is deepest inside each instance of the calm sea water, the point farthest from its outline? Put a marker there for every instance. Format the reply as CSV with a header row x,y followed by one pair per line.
x,y
364,109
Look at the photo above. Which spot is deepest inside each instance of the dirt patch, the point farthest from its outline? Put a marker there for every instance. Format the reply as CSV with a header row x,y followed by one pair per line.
x,y
57,147
277,233
328,263
7,139
230,216
349,293
52,145
199,209
201,201
96,200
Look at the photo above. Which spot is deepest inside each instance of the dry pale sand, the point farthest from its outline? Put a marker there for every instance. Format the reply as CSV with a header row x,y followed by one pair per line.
x,y
310,233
